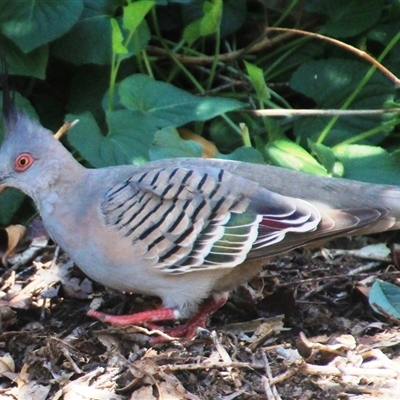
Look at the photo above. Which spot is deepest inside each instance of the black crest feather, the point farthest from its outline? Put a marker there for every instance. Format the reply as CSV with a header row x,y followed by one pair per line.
x,y
9,109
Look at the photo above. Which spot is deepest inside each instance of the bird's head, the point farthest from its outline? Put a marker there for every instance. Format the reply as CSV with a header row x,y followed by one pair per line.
x,y
30,157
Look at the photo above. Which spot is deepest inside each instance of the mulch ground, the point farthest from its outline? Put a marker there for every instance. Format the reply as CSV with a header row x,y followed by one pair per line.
x,y
301,329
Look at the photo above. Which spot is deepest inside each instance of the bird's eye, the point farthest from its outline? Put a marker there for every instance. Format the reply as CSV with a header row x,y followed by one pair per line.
x,y
23,162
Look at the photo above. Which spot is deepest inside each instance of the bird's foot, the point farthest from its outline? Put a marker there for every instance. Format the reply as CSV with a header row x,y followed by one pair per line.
x,y
186,331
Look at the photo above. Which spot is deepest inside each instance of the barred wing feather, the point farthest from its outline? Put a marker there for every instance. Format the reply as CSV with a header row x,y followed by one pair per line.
x,y
203,218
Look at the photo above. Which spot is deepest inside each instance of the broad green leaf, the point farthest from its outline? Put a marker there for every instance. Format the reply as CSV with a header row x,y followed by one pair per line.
x,y
386,296
141,106
324,154
384,33
257,79
166,105
244,154
117,39
168,144
33,23
347,17
93,32
368,164
330,82
192,32
233,14
212,17
208,24
10,202
134,14
127,141
285,153
32,64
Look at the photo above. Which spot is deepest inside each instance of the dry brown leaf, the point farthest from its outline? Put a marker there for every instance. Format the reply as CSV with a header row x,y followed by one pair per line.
x,y
265,330
209,148
7,367
10,237
145,392
30,389
6,313
168,386
89,386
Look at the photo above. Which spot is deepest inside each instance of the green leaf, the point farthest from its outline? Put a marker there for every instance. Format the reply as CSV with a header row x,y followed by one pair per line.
x,y
368,164
32,64
117,39
330,82
93,32
207,25
142,105
324,154
134,14
384,33
349,17
166,105
33,23
386,296
123,144
168,144
257,79
10,202
212,17
285,153
244,154
233,15
192,32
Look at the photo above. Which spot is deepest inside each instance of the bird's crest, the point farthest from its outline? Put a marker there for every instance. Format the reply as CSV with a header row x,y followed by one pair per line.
x,y
9,109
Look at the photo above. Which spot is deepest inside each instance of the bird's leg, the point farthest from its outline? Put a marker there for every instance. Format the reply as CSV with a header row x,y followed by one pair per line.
x,y
147,318
141,318
188,329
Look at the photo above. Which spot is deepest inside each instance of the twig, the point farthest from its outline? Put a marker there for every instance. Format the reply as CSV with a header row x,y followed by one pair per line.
x,y
283,377
326,112
208,365
225,57
270,389
391,318
351,371
71,361
152,332
226,358
383,358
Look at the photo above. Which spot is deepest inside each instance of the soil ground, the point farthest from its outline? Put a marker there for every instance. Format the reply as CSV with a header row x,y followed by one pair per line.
x,y
301,329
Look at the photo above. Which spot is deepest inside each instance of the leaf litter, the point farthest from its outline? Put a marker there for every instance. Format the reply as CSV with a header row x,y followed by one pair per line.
x,y
301,329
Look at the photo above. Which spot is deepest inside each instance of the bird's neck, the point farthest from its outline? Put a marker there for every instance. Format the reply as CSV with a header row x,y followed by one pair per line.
x,y
64,178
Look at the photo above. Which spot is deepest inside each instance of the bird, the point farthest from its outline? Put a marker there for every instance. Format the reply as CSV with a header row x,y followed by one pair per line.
x,y
188,230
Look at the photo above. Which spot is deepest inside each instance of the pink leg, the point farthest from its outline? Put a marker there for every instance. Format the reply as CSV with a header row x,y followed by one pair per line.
x,y
141,318
188,330
146,318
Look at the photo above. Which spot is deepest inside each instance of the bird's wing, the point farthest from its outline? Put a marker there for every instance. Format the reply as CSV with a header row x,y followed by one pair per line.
x,y
185,219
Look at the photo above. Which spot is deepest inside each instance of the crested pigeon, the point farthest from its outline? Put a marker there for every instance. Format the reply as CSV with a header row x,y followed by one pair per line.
x,y
185,230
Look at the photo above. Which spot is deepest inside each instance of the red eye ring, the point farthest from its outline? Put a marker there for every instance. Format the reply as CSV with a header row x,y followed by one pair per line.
x,y
23,162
